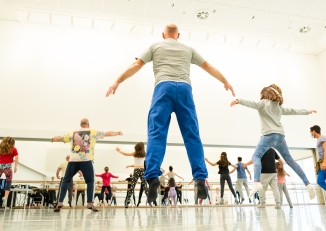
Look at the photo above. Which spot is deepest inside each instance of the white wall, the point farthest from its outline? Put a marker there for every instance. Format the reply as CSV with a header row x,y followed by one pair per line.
x,y
322,64
51,77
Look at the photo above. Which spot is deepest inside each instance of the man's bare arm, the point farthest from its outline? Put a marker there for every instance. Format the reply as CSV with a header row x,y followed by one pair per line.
x,y
130,71
111,133
218,75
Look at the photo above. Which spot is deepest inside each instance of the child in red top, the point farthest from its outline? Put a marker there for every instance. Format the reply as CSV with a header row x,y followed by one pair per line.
x,y
106,176
8,153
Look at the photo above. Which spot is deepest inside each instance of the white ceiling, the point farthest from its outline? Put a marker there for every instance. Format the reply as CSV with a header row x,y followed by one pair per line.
x,y
265,24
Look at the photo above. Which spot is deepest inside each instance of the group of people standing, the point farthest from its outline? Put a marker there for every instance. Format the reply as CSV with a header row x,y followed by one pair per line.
x,y
173,93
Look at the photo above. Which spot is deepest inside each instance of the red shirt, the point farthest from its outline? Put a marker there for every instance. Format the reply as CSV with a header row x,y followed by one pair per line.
x,y
106,178
8,158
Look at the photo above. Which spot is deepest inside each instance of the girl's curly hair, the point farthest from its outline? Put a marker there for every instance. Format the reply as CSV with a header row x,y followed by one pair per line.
x,y
272,92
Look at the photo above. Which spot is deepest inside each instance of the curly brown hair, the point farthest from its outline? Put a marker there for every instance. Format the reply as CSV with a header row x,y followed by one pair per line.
x,y
272,92
6,145
140,150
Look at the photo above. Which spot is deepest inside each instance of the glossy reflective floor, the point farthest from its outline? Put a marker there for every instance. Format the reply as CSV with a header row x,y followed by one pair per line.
x,y
309,217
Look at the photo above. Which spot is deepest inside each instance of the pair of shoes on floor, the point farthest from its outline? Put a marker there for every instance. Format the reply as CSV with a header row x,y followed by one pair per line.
x,y
222,201
256,187
69,202
236,201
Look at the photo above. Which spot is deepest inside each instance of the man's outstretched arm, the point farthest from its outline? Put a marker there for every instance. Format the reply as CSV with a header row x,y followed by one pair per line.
x,y
130,71
218,75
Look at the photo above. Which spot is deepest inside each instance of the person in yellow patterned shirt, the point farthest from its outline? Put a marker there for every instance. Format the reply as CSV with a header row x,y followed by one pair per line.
x,y
82,143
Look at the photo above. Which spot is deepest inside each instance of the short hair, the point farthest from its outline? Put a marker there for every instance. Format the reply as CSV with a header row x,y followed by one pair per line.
x,y
315,128
239,158
172,28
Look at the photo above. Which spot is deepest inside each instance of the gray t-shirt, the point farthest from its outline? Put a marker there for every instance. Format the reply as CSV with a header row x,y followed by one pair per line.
x,y
270,113
320,148
171,60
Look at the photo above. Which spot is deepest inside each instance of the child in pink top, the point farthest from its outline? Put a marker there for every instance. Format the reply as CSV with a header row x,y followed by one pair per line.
x,y
8,154
281,183
106,176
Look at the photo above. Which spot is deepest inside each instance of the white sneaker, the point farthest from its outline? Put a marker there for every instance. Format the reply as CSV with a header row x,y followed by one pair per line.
x,y
257,186
311,191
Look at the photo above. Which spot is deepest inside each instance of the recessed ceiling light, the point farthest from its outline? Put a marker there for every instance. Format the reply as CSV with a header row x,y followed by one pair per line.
x,y
304,29
202,15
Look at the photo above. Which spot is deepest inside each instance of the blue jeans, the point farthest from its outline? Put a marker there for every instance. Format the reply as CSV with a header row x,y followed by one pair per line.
x,y
174,97
276,141
86,167
321,179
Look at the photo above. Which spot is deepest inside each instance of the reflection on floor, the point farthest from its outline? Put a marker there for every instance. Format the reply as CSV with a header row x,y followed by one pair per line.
x,y
305,218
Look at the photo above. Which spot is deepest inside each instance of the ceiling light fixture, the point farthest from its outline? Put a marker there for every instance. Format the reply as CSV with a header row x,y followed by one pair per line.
x,y
202,15
304,29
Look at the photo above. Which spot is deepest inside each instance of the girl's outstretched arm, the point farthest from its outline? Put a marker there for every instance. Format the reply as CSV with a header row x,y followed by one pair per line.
x,y
213,164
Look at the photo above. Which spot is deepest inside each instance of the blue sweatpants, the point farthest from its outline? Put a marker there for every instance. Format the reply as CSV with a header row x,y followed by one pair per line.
x,y
276,141
174,97
321,179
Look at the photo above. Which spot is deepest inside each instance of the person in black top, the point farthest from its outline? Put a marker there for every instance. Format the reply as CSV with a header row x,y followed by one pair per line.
x,y
269,177
223,165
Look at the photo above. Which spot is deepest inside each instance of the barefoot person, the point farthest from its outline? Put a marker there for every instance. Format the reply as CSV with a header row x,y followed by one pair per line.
x,y
173,93
82,143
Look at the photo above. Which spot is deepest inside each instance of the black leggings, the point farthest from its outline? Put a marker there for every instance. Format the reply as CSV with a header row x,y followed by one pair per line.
x,y
109,193
227,178
138,173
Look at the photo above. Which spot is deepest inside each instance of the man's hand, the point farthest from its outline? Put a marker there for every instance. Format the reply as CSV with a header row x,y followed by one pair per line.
x,y
227,87
58,177
15,169
312,111
244,166
112,89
